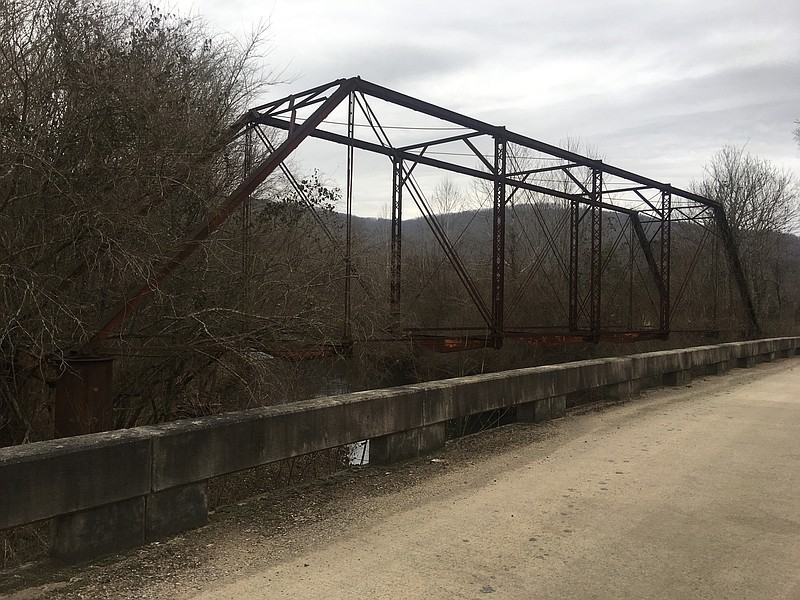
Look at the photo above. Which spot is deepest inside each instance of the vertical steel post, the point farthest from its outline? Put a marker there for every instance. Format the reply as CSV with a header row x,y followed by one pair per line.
x,y
397,229
714,276
631,265
84,397
348,260
246,214
498,241
666,247
595,274
574,247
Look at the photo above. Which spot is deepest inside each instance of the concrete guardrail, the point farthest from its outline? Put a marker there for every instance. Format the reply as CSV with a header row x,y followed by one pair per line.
x,y
109,491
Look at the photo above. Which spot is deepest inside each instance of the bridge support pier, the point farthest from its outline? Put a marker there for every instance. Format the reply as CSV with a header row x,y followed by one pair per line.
x,y
109,528
129,523
719,368
397,447
174,510
745,362
678,378
620,391
542,410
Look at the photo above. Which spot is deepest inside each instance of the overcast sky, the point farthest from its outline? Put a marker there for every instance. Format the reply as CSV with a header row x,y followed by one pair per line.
x,y
656,87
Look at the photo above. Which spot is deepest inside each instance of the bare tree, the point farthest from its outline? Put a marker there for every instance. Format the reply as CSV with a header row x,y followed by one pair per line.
x,y
761,206
757,195
111,121
797,132
447,199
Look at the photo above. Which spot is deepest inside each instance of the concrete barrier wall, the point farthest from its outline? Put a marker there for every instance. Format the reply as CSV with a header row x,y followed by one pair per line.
x,y
147,482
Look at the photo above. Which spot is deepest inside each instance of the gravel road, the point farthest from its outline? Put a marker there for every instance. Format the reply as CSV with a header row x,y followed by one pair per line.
x,y
687,492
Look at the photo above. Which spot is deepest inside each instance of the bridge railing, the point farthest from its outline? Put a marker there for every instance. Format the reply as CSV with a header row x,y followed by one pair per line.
x,y
108,491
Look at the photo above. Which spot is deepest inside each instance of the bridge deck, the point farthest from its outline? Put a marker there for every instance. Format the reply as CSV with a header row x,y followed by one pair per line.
x,y
687,492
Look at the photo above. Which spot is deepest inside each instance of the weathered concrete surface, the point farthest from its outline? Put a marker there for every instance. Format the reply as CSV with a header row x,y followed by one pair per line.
x,y
175,510
688,492
60,477
50,478
88,533
678,378
395,447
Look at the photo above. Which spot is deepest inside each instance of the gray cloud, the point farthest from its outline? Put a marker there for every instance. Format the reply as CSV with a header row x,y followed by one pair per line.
x,y
390,64
657,87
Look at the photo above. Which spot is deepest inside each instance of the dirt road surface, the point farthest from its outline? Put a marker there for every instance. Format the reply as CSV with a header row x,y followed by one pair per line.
x,y
690,492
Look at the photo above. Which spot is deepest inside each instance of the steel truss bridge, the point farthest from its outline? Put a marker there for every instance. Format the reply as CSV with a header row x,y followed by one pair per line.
x,y
602,209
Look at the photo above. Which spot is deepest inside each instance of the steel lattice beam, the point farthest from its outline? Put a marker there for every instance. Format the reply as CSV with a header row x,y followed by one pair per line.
x,y
596,254
208,227
397,233
498,240
666,246
604,187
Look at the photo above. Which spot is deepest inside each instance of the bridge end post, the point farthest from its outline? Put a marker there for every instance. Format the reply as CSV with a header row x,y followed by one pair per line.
x,y
84,397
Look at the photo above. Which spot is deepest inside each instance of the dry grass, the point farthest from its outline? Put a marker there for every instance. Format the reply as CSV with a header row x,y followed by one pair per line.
x,y
24,544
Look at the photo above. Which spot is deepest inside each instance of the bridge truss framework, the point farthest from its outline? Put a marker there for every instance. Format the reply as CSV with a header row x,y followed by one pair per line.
x,y
511,165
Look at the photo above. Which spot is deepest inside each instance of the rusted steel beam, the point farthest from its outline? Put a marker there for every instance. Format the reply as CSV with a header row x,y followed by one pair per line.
x,y
452,344
413,158
456,343
259,174
446,140
84,397
433,110
596,246
299,353
498,241
396,250
348,251
732,252
666,261
563,339
574,263
647,250
283,113
294,102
